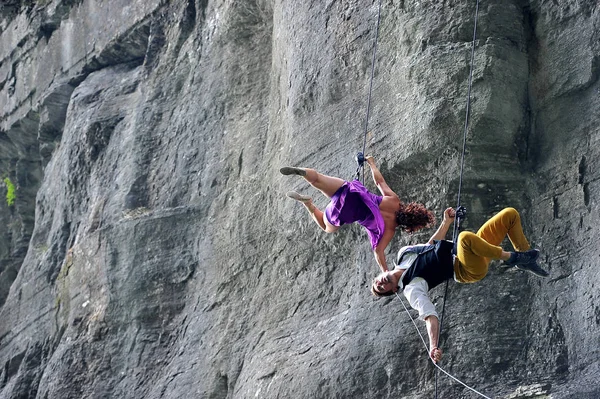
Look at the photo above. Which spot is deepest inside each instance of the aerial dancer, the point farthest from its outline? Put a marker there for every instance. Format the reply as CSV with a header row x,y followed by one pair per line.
x,y
352,202
420,268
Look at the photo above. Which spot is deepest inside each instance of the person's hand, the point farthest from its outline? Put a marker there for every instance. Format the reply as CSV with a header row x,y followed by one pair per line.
x,y
435,354
449,215
370,160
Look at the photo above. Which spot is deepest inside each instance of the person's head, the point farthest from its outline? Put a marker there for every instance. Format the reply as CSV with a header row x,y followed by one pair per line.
x,y
413,216
384,285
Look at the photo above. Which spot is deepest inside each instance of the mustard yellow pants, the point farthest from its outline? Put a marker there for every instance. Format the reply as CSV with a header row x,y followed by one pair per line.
x,y
474,251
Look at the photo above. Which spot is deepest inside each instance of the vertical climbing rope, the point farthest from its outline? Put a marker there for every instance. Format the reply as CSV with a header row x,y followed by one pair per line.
x,y
360,156
457,219
467,117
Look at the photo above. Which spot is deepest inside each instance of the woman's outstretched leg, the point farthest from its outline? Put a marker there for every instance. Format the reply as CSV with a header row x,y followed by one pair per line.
x,y
328,185
315,213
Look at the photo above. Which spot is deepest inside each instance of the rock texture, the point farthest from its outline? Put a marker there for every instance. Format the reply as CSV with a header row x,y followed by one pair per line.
x,y
151,253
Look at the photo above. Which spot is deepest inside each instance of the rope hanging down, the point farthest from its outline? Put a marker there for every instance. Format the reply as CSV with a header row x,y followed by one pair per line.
x,y
466,128
427,350
460,210
360,157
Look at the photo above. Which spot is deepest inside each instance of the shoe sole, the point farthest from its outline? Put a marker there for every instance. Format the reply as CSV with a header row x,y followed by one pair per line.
x,y
534,272
298,197
288,170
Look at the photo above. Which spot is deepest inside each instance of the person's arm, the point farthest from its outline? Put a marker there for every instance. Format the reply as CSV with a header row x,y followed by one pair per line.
x,y
380,259
416,294
384,189
379,251
441,232
433,330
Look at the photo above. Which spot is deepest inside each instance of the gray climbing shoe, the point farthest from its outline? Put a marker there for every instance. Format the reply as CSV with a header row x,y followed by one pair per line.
x,y
523,258
298,197
534,268
288,170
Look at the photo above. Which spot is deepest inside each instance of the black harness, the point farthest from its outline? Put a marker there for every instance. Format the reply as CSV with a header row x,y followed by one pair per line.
x,y
434,263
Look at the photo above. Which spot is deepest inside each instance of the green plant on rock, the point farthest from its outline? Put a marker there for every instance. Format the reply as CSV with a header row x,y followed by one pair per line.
x,y
10,192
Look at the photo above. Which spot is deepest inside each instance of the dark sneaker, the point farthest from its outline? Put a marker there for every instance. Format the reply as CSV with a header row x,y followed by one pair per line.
x,y
523,258
288,170
534,268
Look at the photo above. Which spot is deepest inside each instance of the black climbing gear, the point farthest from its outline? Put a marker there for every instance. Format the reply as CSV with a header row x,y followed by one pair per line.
x,y
461,213
360,160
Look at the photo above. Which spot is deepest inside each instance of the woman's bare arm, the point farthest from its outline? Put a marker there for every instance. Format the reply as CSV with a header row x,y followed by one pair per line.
x,y
384,189
379,251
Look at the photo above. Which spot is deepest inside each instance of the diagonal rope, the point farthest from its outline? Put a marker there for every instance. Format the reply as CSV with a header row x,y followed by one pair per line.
x,y
427,350
364,147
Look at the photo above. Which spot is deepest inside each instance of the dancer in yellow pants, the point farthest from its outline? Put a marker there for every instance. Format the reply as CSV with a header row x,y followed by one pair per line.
x,y
420,268
474,251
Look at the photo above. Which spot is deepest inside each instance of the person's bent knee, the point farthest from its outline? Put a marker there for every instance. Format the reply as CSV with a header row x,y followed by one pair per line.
x,y
331,229
511,212
464,238
465,234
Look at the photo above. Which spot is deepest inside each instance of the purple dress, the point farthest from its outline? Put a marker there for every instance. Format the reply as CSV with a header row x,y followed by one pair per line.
x,y
354,203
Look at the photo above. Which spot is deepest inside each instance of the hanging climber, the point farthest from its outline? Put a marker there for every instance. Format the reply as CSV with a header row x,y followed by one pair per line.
x,y
352,202
419,268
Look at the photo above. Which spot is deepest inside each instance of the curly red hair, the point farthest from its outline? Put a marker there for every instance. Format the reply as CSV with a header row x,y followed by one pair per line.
x,y
413,216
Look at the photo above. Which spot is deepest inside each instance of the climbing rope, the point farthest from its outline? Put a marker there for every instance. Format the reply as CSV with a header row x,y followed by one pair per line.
x,y
466,128
360,157
440,332
460,210
434,363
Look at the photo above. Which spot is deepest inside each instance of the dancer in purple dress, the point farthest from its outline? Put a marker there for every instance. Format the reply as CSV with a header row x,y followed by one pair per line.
x,y
352,202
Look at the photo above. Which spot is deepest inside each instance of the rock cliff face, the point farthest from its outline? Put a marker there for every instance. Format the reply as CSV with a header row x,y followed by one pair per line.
x,y
150,251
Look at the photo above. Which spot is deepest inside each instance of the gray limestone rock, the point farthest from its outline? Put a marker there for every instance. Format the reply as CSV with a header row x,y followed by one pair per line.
x,y
151,252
